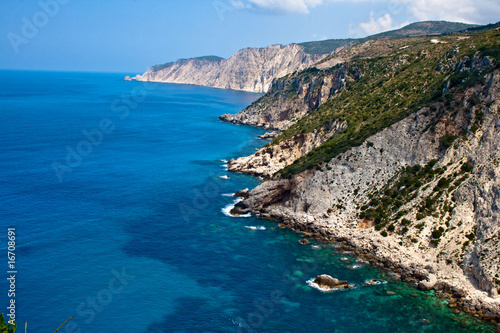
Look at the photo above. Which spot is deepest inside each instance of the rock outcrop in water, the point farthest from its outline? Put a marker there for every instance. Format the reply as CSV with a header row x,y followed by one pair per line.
x,y
397,157
328,282
251,69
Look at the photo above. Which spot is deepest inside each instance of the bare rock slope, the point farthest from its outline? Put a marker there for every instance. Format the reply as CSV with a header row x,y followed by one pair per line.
x,y
250,69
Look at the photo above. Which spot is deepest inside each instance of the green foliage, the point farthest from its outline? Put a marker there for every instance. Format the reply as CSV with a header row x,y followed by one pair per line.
x,y
384,90
479,117
159,67
5,327
414,29
327,46
447,140
467,167
405,222
210,58
443,183
385,205
474,100
437,233
471,236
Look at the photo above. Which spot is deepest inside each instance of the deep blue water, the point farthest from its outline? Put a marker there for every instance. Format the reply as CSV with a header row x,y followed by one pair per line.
x,y
127,233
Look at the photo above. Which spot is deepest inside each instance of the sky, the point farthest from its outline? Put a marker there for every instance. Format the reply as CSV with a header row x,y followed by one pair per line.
x,y
129,36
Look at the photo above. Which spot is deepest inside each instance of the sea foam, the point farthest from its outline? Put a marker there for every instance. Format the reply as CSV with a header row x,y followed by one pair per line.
x,y
227,209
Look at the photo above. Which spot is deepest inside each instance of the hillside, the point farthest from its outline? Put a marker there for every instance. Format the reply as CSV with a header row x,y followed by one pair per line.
x,y
393,149
254,69
426,28
251,69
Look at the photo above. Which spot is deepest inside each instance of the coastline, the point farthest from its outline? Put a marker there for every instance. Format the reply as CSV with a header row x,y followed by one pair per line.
x,y
407,267
309,203
451,249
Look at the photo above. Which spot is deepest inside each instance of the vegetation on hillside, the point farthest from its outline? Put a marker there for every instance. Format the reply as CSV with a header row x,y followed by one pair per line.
x,y
391,88
5,327
415,29
212,58
157,68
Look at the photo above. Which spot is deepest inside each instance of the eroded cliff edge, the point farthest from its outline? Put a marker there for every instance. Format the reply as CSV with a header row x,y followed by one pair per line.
x,y
250,69
400,161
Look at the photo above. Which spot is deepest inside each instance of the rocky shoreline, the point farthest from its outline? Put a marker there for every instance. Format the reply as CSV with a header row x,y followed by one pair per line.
x,y
419,272
418,195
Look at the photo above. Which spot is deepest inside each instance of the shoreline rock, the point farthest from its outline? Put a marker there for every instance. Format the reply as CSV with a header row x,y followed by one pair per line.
x,y
419,197
242,194
415,272
328,282
428,284
269,135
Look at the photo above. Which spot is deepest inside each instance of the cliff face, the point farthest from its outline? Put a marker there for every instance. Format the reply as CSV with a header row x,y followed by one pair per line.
x,y
270,159
251,69
464,254
420,190
292,97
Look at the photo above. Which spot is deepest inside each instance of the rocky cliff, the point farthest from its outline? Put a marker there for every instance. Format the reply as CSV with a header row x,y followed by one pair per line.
x,y
251,69
254,69
401,162
291,98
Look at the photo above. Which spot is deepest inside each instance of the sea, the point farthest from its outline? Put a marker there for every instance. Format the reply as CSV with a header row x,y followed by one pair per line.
x,y
117,196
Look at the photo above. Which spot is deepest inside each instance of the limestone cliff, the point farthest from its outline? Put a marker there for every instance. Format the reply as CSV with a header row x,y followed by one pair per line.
x,y
292,97
250,69
402,163
296,95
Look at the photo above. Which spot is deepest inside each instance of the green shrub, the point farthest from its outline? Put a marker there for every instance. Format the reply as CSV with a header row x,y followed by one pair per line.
x,y
437,233
405,222
447,140
467,167
420,216
5,327
474,100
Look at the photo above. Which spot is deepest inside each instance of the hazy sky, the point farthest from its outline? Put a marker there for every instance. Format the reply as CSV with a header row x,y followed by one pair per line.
x,y
131,35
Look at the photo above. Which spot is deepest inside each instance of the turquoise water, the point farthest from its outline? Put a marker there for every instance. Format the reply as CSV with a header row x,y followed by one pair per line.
x,y
114,189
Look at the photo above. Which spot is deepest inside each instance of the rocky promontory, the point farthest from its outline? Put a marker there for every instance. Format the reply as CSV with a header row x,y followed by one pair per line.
x,y
250,69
